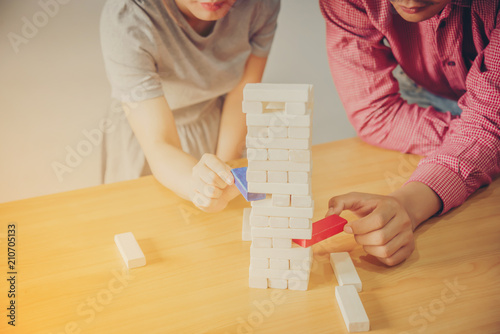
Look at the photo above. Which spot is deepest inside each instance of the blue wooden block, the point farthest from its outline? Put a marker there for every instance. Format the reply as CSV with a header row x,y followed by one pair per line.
x,y
240,179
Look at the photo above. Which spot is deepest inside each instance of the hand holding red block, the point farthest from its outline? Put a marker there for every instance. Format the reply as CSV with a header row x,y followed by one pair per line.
x,y
323,229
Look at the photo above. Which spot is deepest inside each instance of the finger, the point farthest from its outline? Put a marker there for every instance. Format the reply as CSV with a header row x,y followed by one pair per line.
x,y
358,203
230,192
384,235
201,201
220,168
402,254
209,177
376,220
390,248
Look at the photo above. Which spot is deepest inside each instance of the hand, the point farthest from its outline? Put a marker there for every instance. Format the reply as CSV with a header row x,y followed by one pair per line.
x,y
213,184
385,229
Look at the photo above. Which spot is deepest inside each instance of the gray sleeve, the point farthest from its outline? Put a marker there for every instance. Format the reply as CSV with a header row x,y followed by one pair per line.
x,y
129,51
264,26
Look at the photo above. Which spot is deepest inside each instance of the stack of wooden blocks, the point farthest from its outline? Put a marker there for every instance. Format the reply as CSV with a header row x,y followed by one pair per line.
x,y
279,120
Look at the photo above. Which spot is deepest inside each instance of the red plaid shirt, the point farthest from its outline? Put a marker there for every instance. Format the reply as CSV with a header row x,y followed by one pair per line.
x,y
455,54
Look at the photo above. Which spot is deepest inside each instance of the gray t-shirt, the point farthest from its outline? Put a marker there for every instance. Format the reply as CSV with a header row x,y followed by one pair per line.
x,y
150,50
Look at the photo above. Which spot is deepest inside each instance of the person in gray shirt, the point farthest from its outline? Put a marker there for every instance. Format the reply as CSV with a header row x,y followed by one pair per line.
x,y
179,67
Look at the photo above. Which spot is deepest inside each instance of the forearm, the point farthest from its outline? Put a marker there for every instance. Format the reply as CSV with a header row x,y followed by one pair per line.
x,y
232,129
420,201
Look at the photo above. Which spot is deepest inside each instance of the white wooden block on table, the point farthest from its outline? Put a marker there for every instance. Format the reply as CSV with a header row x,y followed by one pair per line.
x,y
296,108
278,154
258,221
353,312
262,242
276,283
277,92
282,143
299,132
257,282
300,201
259,131
275,176
252,107
294,253
278,118
279,188
274,105
277,132
259,176
298,285
286,166
282,243
301,264
281,200
265,208
299,233
300,155
299,177
296,222
257,154
281,222
246,232
344,270
283,264
259,262
130,250
279,273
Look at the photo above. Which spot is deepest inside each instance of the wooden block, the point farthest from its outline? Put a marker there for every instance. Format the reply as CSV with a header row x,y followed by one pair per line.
x,y
262,263
277,177
279,188
277,132
280,200
276,154
282,143
258,221
295,108
287,166
277,92
299,177
297,132
130,250
265,208
301,264
279,273
294,284
274,105
279,118
252,107
246,233
282,243
300,201
283,264
259,176
259,131
322,229
353,312
275,283
281,233
280,222
296,222
257,154
344,270
240,179
294,253
257,282
260,242
299,155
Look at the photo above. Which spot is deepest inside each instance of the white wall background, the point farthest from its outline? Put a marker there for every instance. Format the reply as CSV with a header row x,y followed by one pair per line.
x,y
54,89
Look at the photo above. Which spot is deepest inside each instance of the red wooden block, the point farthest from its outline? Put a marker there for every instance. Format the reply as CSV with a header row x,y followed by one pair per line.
x,y
323,229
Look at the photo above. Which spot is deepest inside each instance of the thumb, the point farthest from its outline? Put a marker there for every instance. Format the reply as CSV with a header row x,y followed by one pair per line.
x,y
351,201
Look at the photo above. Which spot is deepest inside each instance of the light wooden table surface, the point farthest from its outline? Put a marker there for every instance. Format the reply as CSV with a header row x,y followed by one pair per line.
x,y
71,278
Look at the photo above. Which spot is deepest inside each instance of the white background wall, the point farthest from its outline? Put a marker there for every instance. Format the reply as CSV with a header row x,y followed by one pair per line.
x,y
54,89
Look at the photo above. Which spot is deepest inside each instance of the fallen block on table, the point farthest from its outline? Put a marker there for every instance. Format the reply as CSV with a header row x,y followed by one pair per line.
x,y
240,179
323,229
344,270
130,250
353,312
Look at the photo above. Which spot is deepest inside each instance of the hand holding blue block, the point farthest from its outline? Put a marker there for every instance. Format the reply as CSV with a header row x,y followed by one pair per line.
x,y
240,179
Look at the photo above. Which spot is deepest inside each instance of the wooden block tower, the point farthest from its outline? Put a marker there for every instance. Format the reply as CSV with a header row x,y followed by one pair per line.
x,y
279,120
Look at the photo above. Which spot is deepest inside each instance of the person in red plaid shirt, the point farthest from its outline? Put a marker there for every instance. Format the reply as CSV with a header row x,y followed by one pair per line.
x,y
451,51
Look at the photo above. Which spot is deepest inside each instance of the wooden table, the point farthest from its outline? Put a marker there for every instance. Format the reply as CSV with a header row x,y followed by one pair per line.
x,y
71,278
